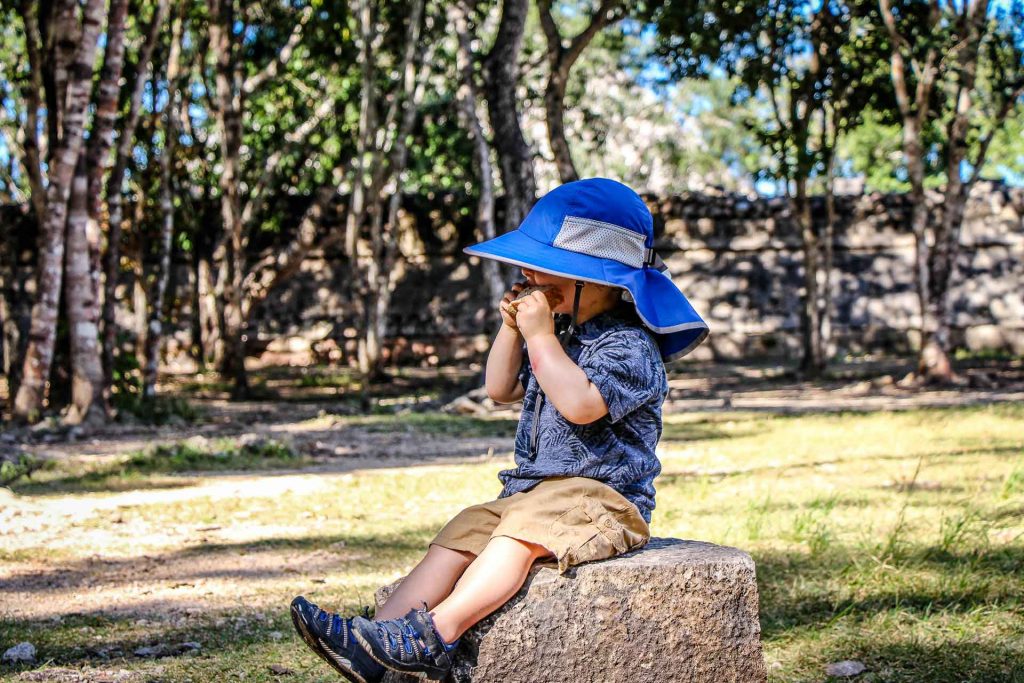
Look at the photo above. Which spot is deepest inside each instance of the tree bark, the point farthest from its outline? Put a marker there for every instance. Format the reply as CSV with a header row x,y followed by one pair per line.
x,y
560,62
812,361
88,403
468,99
115,181
831,135
356,214
154,331
501,78
33,157
914,110
934,363
230,252
38,356
389,162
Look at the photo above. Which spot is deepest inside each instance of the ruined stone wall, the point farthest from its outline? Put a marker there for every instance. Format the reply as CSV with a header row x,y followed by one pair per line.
x,y
738,260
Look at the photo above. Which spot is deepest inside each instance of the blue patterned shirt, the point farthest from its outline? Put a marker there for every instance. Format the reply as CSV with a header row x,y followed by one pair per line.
x,y
621,358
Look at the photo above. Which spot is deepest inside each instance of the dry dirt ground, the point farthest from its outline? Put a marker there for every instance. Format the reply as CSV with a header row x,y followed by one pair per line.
x,y
157,566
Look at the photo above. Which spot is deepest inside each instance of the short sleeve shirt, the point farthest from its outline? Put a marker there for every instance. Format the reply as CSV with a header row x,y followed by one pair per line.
x,y
621,358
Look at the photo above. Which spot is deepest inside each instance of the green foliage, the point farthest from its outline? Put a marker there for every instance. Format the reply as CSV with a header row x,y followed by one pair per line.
x,y
811,70
220,455
14,465
126,393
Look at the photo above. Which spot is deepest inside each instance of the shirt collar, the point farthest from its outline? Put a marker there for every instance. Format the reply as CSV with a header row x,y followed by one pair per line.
x,y
594,328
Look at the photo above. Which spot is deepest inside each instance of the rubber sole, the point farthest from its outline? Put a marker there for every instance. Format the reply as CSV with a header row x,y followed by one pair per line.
x,y
320,648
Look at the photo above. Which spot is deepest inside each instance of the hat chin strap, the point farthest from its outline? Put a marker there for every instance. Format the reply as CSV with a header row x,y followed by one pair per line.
x,y
564,338
573,322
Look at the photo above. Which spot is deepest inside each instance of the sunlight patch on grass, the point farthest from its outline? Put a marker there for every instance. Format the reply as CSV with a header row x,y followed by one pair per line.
x,y
890,538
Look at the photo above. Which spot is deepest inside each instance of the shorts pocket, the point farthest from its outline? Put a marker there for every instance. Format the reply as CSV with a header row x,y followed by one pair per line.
x,y
590,532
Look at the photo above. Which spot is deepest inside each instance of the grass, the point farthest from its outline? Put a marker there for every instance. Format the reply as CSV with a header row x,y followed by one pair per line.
x,y
142,468
896,539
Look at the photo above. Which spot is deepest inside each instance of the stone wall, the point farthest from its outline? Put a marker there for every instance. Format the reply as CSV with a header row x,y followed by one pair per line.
x,y
738,260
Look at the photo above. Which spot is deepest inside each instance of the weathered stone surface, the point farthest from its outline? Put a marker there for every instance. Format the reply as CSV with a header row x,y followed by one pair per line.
x,y
673,611
22,652
737,258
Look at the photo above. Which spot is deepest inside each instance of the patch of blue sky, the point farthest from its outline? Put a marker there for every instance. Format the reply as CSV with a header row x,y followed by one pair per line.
x,y
1011,176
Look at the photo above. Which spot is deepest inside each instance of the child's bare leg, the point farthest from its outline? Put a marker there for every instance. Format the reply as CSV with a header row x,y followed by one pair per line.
x,y
430,581
486,585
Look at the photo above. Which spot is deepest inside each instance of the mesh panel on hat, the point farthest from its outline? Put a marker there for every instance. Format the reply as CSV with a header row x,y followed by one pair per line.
x,y
601,239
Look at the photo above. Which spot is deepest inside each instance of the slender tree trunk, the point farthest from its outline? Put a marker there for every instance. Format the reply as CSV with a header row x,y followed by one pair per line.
x,y
31,93
934,363
356,213
914,156
390,159
88,403
210,340
812,361
231,252
154,331
554,107
39,354
829,237
468,99
115,181
560,62
501,78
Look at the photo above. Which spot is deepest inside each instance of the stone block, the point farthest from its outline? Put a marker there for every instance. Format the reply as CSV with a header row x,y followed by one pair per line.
x,y
674,611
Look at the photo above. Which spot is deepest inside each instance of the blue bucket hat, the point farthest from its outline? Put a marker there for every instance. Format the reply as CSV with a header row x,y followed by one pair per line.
x,y
598,230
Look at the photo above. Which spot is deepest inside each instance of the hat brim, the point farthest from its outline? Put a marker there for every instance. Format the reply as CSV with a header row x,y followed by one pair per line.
x,y
659,303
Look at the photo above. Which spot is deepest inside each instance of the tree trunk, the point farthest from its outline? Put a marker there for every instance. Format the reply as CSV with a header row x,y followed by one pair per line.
x,y
115,181
31,93
210,340
231,251
154,331
356,213
554,107
914,156
812,362
501,78
468,99
560,62
934,363
390,159
81,302
828,238
38,356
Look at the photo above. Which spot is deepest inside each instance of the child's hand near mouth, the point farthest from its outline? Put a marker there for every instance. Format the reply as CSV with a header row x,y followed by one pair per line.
x,y
508,315
533,316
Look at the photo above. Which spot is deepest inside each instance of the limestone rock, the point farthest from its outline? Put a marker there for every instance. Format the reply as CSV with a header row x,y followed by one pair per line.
x,y
20,653
672,611
845,669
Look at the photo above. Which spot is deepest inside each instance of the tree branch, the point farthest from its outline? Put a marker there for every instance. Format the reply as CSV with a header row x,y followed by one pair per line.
x,y
281,60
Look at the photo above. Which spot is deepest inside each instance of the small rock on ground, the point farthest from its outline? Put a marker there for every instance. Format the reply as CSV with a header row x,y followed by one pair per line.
x,y
21,653
845,669
165,650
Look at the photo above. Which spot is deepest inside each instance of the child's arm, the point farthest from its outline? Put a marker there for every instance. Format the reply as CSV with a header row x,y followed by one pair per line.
x,y
564,383
501,378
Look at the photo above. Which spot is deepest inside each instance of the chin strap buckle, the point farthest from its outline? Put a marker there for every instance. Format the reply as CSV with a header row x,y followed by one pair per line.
x,y
652,260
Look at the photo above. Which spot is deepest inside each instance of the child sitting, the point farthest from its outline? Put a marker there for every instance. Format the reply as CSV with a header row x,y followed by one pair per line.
x,y
592,387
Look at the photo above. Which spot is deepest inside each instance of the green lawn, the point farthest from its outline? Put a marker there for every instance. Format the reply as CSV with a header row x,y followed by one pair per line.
x,y
893,539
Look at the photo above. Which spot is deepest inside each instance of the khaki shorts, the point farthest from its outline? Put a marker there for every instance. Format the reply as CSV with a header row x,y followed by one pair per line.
x,y
577,519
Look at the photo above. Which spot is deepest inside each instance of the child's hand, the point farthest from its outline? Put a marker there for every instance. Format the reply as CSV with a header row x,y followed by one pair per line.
x,y
510,296
533,316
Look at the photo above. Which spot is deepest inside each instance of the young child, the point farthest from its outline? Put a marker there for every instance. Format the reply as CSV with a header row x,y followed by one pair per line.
x,y
592,388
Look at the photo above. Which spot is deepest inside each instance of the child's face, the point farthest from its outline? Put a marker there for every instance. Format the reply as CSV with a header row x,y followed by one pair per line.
x,y
567,288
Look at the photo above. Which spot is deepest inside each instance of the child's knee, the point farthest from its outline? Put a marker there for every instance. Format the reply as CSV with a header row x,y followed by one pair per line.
x,y
452,555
